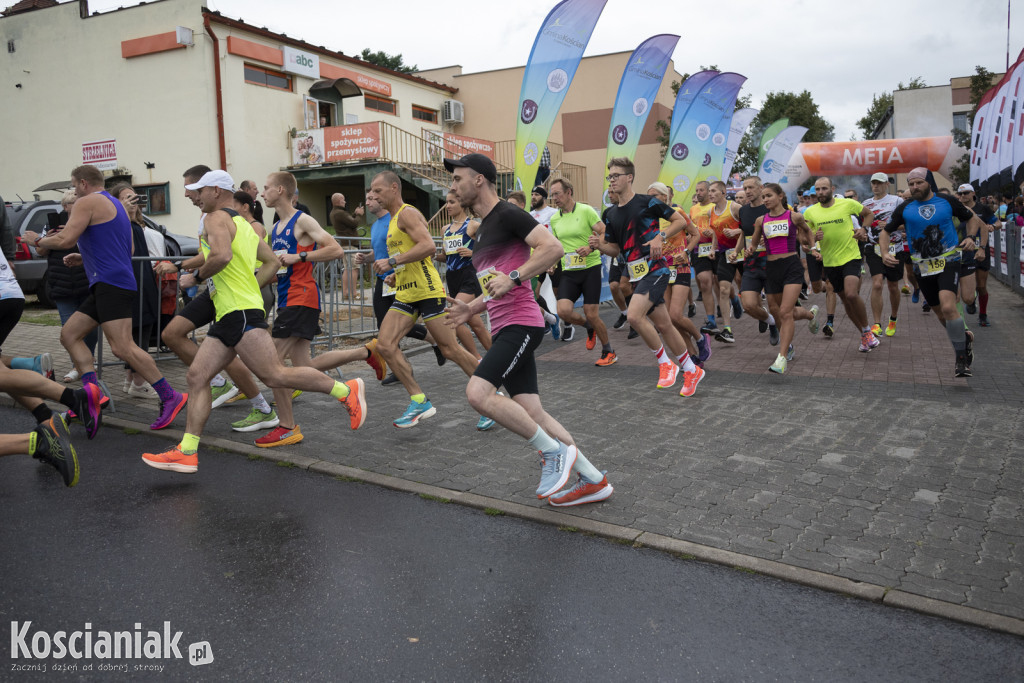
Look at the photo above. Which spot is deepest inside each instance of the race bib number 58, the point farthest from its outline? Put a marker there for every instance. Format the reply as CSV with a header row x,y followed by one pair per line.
x,y
638,269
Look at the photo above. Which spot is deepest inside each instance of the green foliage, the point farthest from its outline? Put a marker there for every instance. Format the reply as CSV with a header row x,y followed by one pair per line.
x,y
800,109
393,62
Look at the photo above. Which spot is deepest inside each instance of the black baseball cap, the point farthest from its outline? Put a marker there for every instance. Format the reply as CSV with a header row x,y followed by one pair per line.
x,y
476,162
541,191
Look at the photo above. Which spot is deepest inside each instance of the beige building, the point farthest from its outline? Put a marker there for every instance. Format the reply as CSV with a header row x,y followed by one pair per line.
x,y
150,90
579,138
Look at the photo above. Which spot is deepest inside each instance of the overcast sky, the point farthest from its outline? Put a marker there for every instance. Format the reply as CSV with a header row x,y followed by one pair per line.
x,y
842,52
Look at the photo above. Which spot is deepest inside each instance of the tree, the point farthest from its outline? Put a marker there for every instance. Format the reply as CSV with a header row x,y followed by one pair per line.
x,y
981,81
880,105
665,127
801,110
393,62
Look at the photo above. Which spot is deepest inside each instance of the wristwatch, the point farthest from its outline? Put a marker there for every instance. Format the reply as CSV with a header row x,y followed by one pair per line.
x,y
392,261
514,276
303,255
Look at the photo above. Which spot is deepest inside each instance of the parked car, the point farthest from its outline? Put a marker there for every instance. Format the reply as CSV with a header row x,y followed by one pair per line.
x,y
30,268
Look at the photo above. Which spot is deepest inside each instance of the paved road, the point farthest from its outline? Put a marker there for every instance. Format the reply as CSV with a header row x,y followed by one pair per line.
x,y
289,574
880,468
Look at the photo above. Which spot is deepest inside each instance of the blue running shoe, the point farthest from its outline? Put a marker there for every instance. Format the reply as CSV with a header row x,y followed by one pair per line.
x,y
414,413
555,469
916,296
554,331
705,352
484,423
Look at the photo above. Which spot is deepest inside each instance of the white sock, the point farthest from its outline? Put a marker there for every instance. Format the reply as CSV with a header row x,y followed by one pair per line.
x,y
661,355
584,467
260,404
771,320
542,442
549,318
685,363
622,311
218,381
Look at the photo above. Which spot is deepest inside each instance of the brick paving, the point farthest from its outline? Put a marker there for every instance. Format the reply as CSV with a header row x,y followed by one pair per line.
x,y
876,467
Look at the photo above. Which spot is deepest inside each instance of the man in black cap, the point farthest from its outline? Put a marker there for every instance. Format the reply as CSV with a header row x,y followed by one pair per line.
x,y
504,263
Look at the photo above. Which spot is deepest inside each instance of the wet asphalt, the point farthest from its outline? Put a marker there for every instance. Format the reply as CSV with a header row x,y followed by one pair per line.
x,y
289,575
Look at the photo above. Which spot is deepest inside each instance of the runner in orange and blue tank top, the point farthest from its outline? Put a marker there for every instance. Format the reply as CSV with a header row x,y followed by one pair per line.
x,y
299,242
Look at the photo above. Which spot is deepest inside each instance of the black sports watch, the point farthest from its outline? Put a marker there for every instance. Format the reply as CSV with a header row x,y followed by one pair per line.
x,y
392,261
514,276
303,255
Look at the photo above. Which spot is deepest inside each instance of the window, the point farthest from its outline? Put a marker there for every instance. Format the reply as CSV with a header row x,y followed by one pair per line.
x,y
257,75
960,122
157,198
381,104
424,114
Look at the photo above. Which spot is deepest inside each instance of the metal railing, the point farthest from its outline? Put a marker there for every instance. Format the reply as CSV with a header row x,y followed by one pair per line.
x,y
505,154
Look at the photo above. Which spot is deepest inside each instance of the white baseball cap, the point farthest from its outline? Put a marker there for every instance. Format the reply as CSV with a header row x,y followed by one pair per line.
x,y
219,179
880,177
966,187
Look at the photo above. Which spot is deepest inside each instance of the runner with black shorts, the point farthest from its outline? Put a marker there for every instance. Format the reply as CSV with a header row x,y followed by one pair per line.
x,y
100,226
882,204
632,229
298,241
724,221
936,249
459,274
503,259
755,261
978,265
573,224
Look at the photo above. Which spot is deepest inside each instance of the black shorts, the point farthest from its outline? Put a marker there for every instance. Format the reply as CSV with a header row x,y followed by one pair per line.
x,y
200,310
681,278
836,275
654,286
296,321
726,271
876,266
462,281
782,272
755,274
428,309
968,263
702,264
510,362
615,271
814,268
10,314
948,279
230,329
986,262
107,302
586,282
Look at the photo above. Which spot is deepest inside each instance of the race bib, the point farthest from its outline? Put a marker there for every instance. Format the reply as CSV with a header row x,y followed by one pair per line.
x,y
734,255
281,252
573,261
776,229
485,277
671,276
932,266
452,244
893,249
706,250
386,289
210,287
638,269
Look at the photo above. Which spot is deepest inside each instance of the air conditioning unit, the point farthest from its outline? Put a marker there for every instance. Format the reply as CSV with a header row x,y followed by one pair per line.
x,y
452,111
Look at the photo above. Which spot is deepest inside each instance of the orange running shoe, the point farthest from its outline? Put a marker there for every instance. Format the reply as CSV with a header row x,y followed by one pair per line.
x,y
173,460
667,375
607,359
376,361
355,402
591,339
279,436
691,380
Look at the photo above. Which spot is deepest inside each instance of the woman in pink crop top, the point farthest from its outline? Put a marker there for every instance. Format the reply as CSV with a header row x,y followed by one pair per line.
x,y
780,229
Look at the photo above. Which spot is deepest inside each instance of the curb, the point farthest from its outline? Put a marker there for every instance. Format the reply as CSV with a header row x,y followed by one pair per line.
x,y
638,538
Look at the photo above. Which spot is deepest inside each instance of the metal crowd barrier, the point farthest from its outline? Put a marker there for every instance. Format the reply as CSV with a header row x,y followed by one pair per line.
x,y
1007,257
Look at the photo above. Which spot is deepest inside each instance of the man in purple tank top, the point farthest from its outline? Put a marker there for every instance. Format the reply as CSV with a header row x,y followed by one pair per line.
x,y
102,230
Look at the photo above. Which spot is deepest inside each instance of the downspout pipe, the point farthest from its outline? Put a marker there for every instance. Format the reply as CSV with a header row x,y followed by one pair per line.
x,y
220,93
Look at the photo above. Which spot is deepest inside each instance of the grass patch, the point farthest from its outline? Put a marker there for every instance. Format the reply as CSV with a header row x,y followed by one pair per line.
x,y
493,512
342,477
285,463
253,456
744,570
570,529
684,556
622,541
131,432
436,499
218,449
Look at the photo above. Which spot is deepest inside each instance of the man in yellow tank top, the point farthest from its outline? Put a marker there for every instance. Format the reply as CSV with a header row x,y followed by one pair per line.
x,y
419,293
231,248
